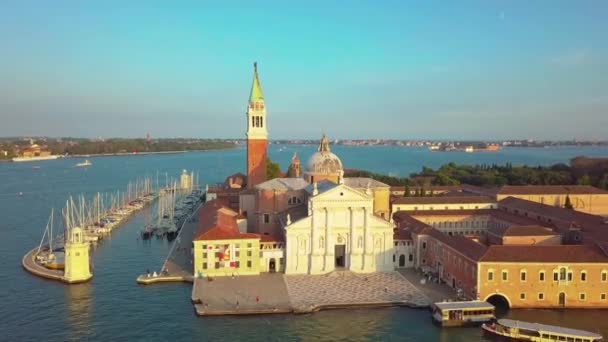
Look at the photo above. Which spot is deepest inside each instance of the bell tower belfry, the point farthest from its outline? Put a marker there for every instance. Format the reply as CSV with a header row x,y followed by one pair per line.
x,y
76,257
257,134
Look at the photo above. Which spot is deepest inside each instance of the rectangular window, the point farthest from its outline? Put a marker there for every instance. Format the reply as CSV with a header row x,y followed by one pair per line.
x,y
522,276
204,246
555,276
583,276
541,276
604,276
204,255
490,276
249,253
204,265
569,276
248,263
541,296
237,264
424,245
217,265
237,254
505,276
582,296
522,296
249,245
266,218
603,296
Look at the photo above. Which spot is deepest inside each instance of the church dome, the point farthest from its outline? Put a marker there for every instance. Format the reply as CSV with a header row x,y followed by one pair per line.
x,y
324,161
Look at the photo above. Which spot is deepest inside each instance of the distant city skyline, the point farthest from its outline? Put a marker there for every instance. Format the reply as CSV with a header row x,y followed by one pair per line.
x,y
472,70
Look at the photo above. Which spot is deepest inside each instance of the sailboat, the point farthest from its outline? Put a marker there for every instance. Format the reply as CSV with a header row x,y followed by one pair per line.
x,y
46,251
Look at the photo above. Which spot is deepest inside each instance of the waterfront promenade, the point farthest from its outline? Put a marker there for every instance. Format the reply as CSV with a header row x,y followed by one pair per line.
x,y
178,265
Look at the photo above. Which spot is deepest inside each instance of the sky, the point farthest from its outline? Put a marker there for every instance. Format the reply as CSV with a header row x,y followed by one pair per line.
x,y
351,69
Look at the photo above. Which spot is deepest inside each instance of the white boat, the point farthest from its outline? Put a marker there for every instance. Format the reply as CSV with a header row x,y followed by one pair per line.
x,y
525,331
455,314
85,163
25,159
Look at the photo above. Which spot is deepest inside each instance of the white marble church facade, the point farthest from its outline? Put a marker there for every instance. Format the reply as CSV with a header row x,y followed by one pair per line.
x,y
340,233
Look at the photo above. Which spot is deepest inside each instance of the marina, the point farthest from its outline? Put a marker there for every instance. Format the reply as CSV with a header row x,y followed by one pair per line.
x,y
123,255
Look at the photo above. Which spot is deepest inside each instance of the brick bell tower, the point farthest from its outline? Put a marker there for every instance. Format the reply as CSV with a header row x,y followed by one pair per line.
x,y
257,135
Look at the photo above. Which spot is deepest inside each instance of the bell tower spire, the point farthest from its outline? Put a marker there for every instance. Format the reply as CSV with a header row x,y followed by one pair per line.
x,y
257,134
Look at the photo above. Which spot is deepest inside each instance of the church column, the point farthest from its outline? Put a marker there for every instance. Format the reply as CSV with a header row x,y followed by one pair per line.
x,y
368,243
329,252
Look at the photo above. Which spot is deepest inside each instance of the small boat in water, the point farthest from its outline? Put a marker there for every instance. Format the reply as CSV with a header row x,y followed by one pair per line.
x,y
525,331
456,314
85,163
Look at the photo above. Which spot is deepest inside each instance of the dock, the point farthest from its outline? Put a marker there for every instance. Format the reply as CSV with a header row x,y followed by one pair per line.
x,y
29,264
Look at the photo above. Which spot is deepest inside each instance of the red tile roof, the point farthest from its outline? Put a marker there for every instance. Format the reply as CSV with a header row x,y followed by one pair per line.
x,y
532,230
443,199
466,247
402,234
544,253
216,221
550,190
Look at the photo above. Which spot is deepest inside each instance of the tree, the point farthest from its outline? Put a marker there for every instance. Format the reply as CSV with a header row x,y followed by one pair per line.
x,y
567,203
272,169
584,180
406,193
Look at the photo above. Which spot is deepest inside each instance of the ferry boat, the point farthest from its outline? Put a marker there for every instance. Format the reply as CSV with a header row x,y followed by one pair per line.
x,y
456,314
84,164
35,158
525,331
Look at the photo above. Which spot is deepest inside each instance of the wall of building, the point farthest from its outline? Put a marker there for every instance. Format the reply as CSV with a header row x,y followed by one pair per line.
x,y
457,224
443,206
207,261
272,252
514,287
403,254
589,203
453,268
256,161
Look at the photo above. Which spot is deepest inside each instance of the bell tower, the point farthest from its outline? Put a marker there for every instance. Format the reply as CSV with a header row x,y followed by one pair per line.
x,y
257,134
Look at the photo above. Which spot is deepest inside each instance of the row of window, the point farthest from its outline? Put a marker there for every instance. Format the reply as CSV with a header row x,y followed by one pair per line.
x,y
581,296
238,245
403,243
257,121
561,275
445,208
461,224
237,264
237,254
294,200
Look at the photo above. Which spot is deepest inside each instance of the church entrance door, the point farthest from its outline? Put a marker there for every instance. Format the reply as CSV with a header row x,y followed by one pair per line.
x,y
340,251
272,266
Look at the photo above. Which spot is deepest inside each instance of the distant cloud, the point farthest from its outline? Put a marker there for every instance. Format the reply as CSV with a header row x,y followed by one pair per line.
x,y
572,58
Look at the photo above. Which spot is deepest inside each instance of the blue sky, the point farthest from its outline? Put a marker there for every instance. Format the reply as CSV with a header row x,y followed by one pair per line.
x,y
377,69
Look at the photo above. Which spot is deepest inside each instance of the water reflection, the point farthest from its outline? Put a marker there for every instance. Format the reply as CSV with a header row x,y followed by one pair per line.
x,y
79,301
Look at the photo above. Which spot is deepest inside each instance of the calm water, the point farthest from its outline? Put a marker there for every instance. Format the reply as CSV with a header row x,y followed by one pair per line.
x,y
113,307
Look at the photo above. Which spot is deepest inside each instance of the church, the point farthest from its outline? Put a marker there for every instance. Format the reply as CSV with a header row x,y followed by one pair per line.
x,y
319,220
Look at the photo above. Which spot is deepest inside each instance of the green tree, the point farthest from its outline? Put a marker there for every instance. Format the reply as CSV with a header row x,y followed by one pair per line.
x,y
584,180
272,169
568,203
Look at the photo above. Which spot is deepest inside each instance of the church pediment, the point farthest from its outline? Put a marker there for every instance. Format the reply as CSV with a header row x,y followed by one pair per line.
x,y
342,192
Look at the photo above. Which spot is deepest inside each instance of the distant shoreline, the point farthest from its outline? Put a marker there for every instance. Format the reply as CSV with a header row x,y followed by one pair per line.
x,y
124,154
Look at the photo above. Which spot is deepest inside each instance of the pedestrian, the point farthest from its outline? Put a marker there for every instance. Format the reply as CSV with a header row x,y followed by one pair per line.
x,y
257,299
237,304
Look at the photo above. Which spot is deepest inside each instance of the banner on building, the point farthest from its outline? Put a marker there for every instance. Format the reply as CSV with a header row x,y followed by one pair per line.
x,y
227,255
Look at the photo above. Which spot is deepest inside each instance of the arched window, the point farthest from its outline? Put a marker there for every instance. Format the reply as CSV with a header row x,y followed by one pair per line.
x,y
562,274
261,121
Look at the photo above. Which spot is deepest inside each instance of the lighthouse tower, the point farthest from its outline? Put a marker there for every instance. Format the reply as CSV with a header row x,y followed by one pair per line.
x,y
76,257
257,134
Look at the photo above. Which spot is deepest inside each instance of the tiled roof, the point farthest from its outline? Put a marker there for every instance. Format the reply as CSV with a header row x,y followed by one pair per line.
x,y
402,234
448,212
467,247
550,189
405,221
533,230
284,184
443,199
544,253
216,221
362,182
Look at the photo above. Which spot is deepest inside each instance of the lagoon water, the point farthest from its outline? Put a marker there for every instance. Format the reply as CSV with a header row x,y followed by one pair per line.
x,y
113,307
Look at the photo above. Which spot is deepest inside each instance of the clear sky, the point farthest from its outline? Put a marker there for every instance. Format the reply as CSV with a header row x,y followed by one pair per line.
x,y
376,69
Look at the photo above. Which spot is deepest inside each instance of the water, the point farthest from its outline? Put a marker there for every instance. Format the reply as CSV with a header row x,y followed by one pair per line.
x,y
113,307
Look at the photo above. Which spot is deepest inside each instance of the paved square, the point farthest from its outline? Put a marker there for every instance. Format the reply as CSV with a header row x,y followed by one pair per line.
x,y
264,293
345,288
